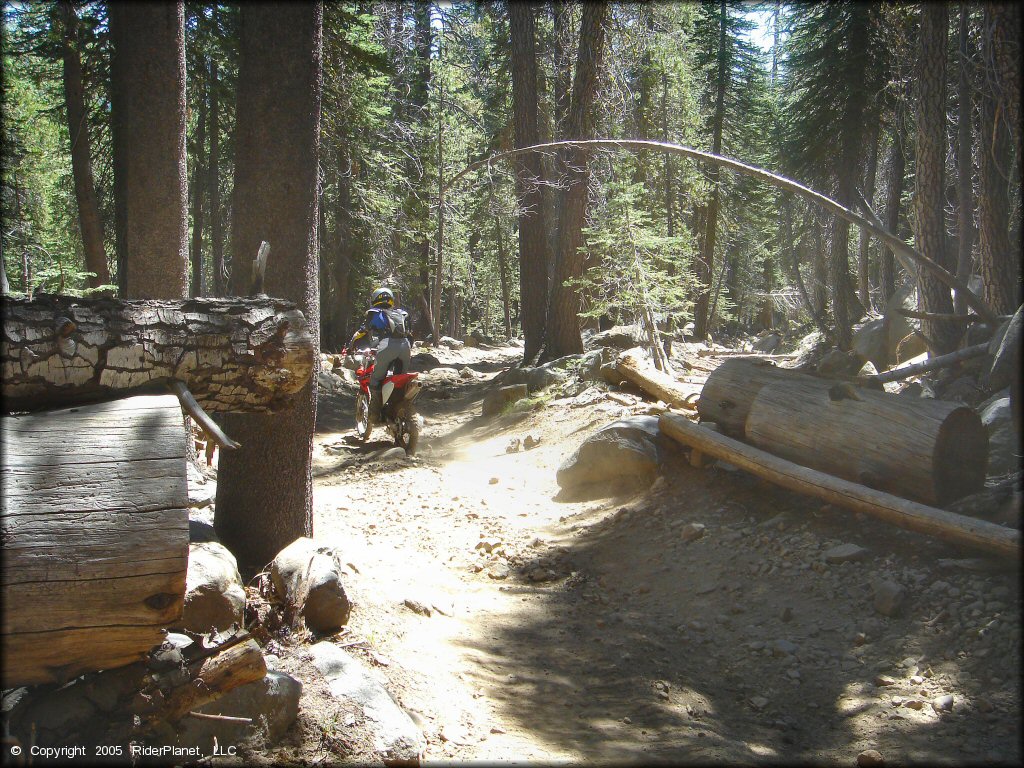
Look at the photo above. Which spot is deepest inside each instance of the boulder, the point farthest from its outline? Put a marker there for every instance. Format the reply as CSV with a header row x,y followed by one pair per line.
x,y
395,736
496,400
271,703
214,596
767,343
308,578
470,341
838,363
1004,450
448,341
625,450
618,337
423,361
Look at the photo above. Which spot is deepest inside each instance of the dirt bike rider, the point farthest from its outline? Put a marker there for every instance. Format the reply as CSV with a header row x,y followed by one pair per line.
x,y
390,326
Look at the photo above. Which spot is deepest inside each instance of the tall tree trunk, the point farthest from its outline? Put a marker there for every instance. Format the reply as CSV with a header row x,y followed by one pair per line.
x,y
265,488
534,256
670,223
213,180
964,164
148,95
418,101
929,171
198,278
863,253
998,264
563,313
503,270
706,260
341,308
893,193
90,223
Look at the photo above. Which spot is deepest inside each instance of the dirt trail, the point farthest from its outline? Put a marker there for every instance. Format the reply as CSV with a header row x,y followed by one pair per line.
x,y
595,631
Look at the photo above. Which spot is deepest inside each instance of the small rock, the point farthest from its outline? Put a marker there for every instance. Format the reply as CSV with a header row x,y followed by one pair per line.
x,y
783,647
943,703
758,702
417,607
488,545
914,704
845,553
513,445
787,615
692,532
884,680
498,571
870,758
889,597
530,442
859,639
467,373
493,481
916,680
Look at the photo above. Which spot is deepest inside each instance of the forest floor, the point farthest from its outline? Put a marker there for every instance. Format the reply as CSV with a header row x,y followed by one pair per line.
x,y
595,631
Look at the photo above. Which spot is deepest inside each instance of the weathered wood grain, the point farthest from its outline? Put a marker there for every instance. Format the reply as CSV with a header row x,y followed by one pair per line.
x,y
243,354
95,534
932,451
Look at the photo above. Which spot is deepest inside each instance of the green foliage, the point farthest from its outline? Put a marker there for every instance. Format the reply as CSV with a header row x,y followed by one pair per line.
x,y
635,267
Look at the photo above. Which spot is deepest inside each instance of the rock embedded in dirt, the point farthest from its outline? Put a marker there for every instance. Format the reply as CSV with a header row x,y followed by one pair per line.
x,y
214,596
394,734
845,553
943,703
418,607
758,702
309,578
498,571
271,703
626,449
888,597
691,532
870,758
496,400
530,442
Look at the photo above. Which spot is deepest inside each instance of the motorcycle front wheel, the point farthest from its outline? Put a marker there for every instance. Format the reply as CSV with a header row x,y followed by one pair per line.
x,y
363,425
407,431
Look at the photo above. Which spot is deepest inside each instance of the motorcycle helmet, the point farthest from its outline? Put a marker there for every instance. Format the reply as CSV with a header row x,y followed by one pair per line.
x,y
383,297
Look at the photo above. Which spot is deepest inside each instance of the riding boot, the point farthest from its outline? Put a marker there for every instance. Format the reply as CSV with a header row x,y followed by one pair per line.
x,y
375,404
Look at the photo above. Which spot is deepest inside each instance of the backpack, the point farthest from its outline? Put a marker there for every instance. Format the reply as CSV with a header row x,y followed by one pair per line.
x,y
391,322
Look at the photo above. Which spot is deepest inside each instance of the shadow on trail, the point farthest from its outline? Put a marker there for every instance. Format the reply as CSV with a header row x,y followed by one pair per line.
x,y
659,650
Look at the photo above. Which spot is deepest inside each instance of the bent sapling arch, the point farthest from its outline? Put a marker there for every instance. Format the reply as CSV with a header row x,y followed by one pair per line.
x,y
895,243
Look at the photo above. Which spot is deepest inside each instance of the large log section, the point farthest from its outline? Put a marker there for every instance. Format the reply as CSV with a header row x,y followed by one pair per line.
x,y
978,534
928,450
95,536
238,354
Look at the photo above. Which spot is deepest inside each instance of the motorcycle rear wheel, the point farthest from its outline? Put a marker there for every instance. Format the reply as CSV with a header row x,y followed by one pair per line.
x,y
364,425
407,431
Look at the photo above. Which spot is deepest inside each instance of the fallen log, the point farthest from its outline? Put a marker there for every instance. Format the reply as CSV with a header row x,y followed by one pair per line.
x,y
977,534
240,354
95,534
932,451
732,387
208,680
632,367
930,364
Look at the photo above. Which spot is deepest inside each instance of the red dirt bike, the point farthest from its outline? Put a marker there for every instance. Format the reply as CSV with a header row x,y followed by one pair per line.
x,y
398,395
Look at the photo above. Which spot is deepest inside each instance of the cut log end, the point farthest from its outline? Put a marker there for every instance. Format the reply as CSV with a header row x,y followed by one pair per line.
x,y
961,456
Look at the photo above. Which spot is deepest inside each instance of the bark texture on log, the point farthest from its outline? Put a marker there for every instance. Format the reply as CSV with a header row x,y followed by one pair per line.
x,y
732,387
631,367
977,534
212,678
95,536
251,354
931,451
